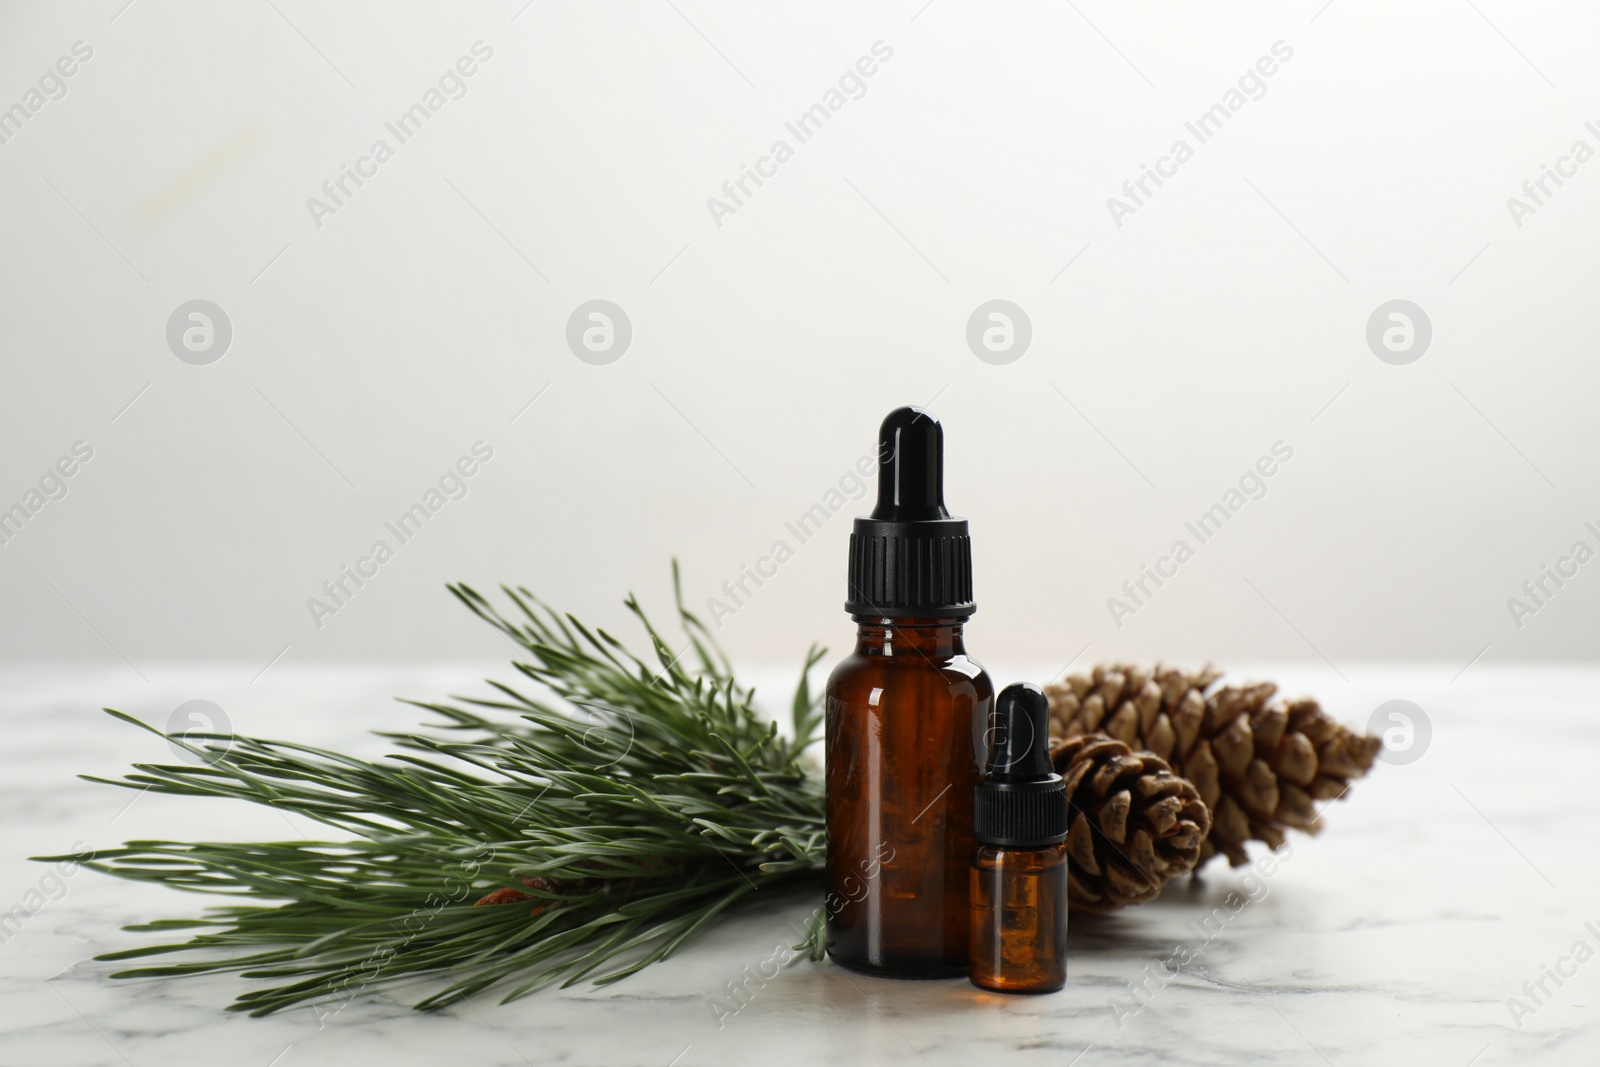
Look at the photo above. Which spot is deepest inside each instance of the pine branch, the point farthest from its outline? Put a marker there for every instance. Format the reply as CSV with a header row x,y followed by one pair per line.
x,y
523,841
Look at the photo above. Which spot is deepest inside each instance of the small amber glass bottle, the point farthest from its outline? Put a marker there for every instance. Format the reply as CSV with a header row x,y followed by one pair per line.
x,y
903,715
1019,871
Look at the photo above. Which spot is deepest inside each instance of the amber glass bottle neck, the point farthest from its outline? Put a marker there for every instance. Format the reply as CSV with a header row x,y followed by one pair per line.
x,y
900,637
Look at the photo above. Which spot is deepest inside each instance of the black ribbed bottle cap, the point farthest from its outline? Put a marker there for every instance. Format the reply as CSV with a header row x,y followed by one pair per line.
x,y
910,558
1020,802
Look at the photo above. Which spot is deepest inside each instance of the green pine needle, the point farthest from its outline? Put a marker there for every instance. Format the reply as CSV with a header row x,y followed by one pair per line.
x,y
632,810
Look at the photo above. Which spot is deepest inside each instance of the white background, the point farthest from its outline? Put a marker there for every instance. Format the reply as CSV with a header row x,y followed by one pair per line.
x,y
372,351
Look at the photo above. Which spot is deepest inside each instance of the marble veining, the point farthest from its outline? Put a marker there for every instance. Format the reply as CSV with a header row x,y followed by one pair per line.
x,y
1442,895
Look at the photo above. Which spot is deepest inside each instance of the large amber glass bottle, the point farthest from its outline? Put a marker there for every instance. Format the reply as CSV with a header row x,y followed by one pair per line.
x,y
905,715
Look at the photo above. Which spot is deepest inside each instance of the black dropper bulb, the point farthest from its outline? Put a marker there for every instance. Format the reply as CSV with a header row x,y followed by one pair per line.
x,y
910,467
911,558
1020,802
1019,742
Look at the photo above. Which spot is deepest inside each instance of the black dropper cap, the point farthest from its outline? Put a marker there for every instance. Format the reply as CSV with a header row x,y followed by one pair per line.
x,y
910,558
1020,802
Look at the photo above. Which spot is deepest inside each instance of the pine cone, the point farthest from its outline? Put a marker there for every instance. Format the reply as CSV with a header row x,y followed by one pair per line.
x,y
1258,760
1134,825
507,895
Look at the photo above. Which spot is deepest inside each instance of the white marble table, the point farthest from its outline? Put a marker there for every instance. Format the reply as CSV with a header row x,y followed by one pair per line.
x,y
1397,937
